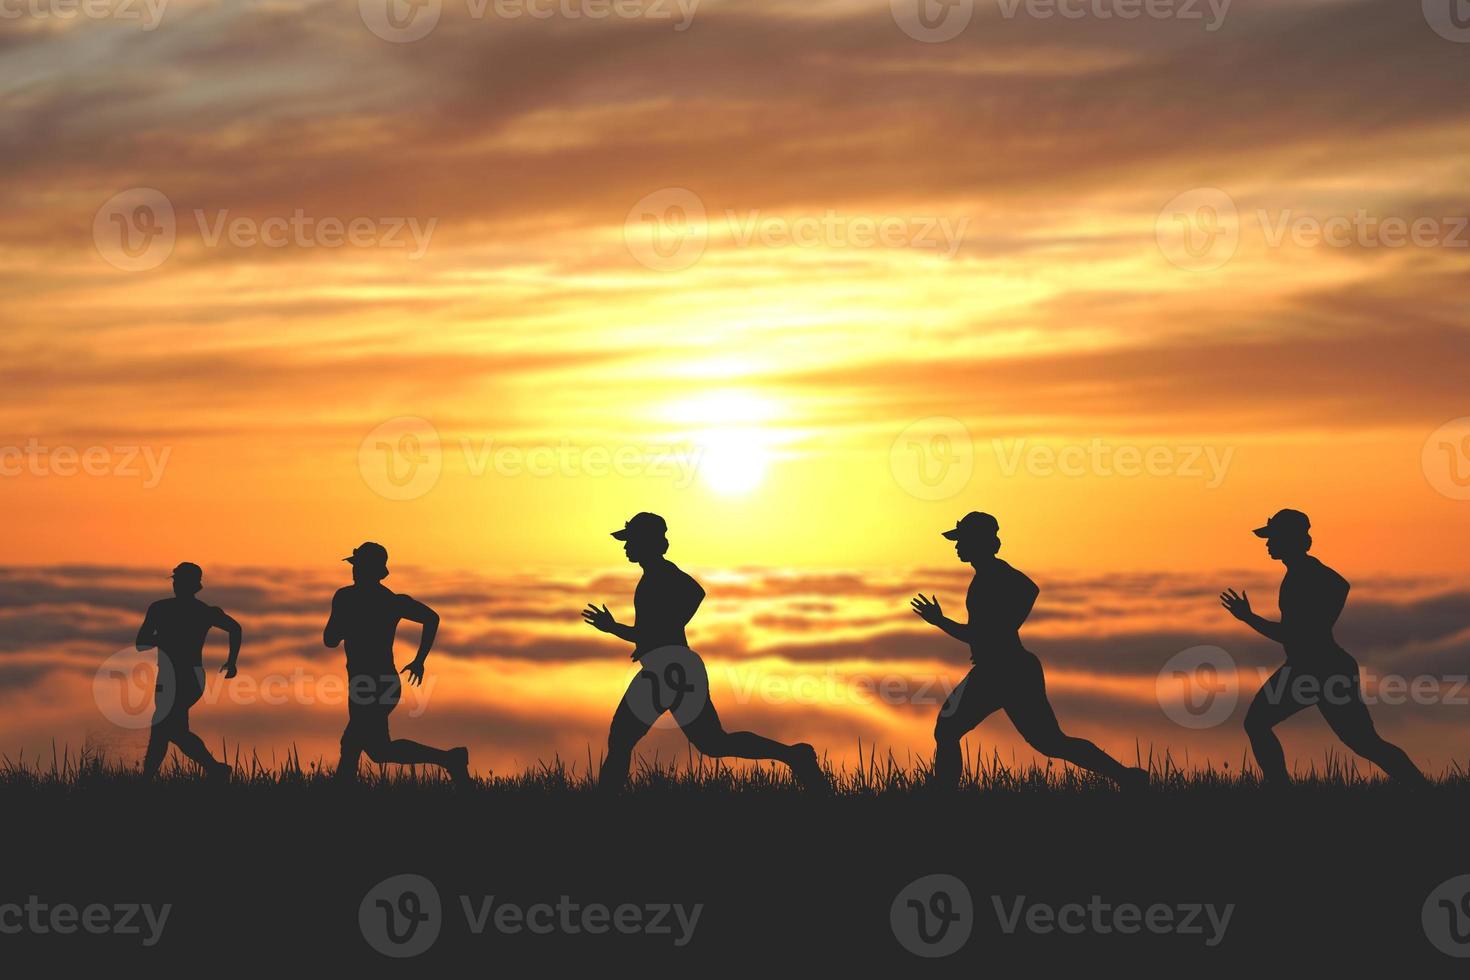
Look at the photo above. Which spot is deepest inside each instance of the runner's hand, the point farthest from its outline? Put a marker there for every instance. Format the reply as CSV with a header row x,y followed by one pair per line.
x,y
598,618
415,672
1238,605
927,609
228,670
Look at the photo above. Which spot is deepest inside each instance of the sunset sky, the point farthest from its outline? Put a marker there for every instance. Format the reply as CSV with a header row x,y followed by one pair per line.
x,y
807,285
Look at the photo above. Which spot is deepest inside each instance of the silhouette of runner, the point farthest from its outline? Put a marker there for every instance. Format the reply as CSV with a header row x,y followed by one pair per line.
x,y
178,627
663,604
1005,674
366,615
1317,671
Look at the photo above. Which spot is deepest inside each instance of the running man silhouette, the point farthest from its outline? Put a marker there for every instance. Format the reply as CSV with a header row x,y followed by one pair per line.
x,y
663,604
178,627
1317,671
1005,674
366,615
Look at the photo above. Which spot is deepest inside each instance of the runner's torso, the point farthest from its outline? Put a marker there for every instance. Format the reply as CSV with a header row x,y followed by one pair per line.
x,y
182,626
1312,596
998,602
369,622
663,604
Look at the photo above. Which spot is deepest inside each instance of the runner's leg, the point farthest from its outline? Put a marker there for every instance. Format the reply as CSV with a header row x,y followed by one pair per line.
x,y
190,744
1342,705
622,736
707,735
1032,714
380,747
1275,702
967,706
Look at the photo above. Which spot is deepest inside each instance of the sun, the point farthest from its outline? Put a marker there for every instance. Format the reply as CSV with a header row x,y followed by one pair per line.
x,y
733,461
732,437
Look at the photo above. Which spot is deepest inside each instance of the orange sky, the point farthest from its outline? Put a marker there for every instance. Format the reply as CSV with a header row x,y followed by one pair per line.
x,y
804,284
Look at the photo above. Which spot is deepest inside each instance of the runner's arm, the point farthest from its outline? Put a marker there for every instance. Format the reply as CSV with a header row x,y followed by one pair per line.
x,y
416,612
928,609
147,633
334,634
1239,606
599,618
227,623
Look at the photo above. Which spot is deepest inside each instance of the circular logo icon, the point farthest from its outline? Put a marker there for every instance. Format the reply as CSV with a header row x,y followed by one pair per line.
x,y
932,21
400,21
1446,917
1446,459
670,689
135,230
1198,687
131,685
401,916
1199,230
933,916
1449,18
666,231
402,458
933,458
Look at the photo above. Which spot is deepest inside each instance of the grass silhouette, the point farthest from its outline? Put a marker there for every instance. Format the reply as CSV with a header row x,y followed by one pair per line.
x,y
875,774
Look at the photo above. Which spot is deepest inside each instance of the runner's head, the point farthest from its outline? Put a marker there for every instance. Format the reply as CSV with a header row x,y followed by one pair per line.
x,y
369,562
188,579
975,536
1286,534
644,537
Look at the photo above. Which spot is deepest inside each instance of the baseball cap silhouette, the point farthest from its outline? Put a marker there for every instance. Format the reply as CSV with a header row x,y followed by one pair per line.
x,y
973,523
1284,522
189,571
643,525
369,554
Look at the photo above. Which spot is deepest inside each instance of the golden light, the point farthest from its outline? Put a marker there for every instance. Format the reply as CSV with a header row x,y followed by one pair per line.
x,y
732,435
733,461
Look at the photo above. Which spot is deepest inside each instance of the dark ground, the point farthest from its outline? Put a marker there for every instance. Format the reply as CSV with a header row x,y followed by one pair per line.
x,y
271,877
